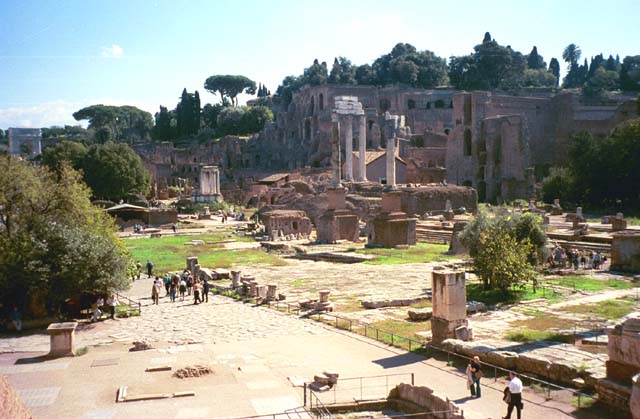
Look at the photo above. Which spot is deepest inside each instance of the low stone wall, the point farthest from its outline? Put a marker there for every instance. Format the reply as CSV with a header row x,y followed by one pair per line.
x,y
11,406
425,399
546,361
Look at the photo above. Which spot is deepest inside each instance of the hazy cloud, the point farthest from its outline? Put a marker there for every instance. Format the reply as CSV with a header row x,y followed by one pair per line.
x,y
59,112
114,51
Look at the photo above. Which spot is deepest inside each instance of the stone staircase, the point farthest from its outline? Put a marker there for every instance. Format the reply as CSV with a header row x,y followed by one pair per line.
x,y
435,234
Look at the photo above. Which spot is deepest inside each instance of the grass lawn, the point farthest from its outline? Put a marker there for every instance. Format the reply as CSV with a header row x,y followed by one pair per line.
x,y
422,253
402,329
586,283
475,292
170,253
611,309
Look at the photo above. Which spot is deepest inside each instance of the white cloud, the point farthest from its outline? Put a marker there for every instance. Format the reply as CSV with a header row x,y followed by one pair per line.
x,y
114,51
59,112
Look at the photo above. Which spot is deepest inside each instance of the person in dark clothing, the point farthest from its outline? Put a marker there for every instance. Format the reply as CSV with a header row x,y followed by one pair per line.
x,y
149,268
205,290
515,394
477,374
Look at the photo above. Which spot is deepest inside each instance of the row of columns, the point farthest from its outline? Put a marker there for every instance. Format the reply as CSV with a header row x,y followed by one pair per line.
x,y
346,108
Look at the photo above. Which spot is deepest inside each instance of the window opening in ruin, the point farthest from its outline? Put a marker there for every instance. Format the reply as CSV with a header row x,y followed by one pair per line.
x,y
418,142
498,157
467,142
467,110
295,225
467,183
370,125
307,130
480,175
195,159
257,159
482,191
321,101
439,104
313,105
385,105
411,104
428,105
447,131
451,105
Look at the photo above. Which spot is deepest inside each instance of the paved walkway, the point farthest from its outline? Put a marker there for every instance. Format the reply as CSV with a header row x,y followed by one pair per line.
x,y
257,355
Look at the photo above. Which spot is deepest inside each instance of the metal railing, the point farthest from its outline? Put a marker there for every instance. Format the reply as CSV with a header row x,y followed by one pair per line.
x,y
316,407
358,389
410,344
132,304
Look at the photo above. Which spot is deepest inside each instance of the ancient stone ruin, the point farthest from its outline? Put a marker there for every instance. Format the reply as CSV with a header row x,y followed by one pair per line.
x,y
209,185
623,366
286,224
449,299
392,227
625,251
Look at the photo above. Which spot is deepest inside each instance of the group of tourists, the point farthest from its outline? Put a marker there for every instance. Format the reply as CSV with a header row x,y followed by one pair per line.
x,y
180,285
512,393
575,259
101,306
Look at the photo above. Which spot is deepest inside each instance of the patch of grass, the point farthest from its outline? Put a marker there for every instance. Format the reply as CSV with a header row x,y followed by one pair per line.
x,y
543,322
297,283
82,351
584,402
421,253
422,304
586,283
348,305
169,253
528,335
610,309
476,292
401,330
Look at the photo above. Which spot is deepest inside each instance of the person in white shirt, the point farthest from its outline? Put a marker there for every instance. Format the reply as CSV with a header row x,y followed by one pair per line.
x,y
515,389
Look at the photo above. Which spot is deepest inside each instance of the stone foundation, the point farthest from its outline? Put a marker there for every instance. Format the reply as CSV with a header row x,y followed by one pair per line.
x,y
625,252
425,400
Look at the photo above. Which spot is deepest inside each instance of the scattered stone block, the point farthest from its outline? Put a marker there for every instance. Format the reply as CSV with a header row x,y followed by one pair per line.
x,y
420,315
193,371
141,345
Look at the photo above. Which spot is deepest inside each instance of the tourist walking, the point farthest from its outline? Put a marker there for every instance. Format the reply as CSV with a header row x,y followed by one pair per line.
x,y
476,374
167,282
138,269
515,395
197,291
182,288
112,303
189,283
16,318
205,290
149,268
173,289
155,291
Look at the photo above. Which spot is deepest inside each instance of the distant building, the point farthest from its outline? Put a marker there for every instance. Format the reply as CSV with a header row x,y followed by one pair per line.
x,y
25,141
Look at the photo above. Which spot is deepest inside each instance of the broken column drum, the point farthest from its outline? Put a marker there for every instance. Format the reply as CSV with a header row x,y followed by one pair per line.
x,y
449,300
271,291
235,279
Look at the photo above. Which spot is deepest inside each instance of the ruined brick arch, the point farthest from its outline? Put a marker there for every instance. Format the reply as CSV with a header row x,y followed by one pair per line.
x,y
467,142
447,131
313,106
321,102
411,104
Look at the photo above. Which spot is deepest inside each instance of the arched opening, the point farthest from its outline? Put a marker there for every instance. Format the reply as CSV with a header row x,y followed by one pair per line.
x,y
385,105
498,149
307,130
447,131
411,104
428,105
313,106
321,101
439,104
467,183
467,142
295,226
482,191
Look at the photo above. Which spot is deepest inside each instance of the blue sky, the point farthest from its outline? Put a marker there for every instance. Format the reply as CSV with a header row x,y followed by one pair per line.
x,y
57,56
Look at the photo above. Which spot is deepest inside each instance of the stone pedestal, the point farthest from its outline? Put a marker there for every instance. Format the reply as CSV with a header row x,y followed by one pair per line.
x,y
618,224
625,251
456,247
271,291
62,339
449,299
392,227
261,291
324,304
337,223
235,279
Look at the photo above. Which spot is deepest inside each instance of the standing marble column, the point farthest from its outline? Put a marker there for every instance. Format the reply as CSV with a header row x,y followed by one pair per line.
x,y
362,150
348,152
391,162
335,150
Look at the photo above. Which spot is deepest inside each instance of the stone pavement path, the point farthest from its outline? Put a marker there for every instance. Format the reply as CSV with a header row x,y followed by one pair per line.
x,y
254,349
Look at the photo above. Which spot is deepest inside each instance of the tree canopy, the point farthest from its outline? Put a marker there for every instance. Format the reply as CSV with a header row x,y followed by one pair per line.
x,y
229,87
242,120
505,249
117,123
53,243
